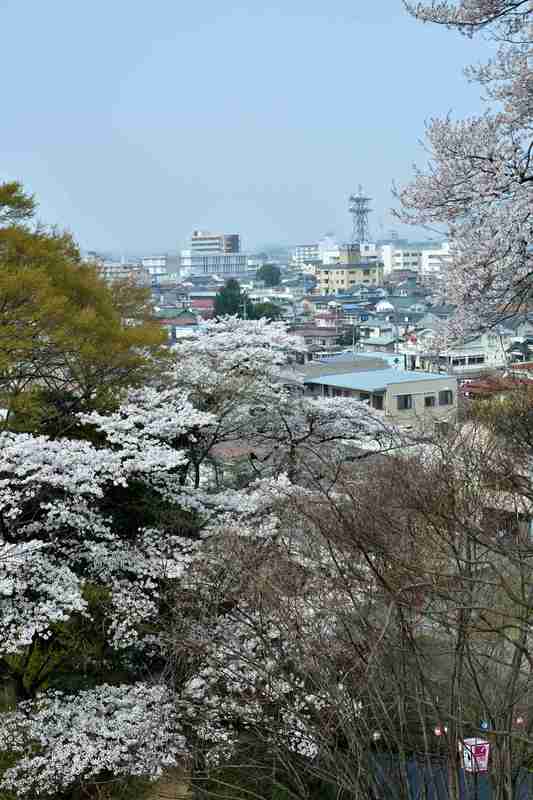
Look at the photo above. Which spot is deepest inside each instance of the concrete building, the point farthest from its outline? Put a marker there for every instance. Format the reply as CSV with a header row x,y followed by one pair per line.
x,y
205,243
404,397
427,259
304,254
342,278
330,250
214,254
161,267
223,264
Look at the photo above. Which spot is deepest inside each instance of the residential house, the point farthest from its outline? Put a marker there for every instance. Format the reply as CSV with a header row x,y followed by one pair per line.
x,y
314,335
488,351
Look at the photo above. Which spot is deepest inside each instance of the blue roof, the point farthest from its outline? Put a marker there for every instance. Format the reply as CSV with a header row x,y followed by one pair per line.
x,y
376,380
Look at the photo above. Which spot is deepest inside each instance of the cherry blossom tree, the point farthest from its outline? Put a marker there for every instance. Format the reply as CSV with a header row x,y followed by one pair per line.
x,y
102,542
235,370
477,183
81,594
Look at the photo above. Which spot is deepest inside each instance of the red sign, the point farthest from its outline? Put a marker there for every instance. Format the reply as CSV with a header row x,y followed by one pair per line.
x,y
475,755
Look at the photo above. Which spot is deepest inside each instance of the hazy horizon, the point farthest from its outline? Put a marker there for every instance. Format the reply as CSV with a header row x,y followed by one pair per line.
x,y
135,124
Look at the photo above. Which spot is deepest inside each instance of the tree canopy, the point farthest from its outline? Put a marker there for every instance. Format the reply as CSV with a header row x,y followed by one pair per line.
x,y
478,182
270,274
63,332
15,205
97,538
230,299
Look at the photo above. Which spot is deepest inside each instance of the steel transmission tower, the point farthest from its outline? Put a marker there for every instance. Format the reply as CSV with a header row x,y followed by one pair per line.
x,y
359,208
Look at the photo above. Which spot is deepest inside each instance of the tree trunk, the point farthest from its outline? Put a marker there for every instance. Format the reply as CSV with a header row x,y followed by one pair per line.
x,y
174,785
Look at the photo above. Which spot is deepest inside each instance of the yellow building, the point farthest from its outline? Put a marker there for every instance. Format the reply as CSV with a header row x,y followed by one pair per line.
x,y
338,278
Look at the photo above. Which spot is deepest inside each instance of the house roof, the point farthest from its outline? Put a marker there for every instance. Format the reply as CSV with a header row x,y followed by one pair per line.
x,y
376,380
494,384
313,370
324,332
379,340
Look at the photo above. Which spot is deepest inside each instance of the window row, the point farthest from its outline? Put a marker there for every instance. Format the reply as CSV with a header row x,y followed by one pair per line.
x,y
405,401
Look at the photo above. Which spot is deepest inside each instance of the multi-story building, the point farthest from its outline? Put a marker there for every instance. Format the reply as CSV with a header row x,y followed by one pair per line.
x,y
427,259
213,263
214,254
304,254
112,271
351,271
342,278
205,243
161,267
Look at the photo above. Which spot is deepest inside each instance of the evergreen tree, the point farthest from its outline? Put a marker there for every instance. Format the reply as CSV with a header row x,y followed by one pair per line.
x,y
230,300
270,274
260,310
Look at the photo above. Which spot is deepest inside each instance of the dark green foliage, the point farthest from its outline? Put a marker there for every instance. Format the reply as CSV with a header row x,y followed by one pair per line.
x,y
233,301
260,310
230,300
270,274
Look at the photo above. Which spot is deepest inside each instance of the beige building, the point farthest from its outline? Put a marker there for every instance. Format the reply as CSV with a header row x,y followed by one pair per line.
x,y
205,243
340,278
404,397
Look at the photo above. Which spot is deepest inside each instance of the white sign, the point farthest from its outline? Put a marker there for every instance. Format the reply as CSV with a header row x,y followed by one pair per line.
x,y
475,755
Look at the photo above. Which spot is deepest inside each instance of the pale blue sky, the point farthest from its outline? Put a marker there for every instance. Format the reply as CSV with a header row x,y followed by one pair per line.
x,y
135,122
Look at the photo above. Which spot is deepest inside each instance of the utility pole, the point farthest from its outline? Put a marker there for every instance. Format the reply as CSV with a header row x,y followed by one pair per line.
x,y
354,326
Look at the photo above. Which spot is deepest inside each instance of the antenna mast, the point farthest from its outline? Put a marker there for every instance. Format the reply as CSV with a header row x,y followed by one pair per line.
x,y
359,208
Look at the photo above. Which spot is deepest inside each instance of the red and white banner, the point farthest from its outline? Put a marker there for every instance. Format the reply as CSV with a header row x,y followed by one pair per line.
x,y
475,755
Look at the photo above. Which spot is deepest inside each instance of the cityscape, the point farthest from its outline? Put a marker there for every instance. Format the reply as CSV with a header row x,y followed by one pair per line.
x,y
266,510
383,299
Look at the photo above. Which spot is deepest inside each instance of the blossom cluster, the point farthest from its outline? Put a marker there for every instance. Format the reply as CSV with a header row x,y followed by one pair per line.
x,y
111,730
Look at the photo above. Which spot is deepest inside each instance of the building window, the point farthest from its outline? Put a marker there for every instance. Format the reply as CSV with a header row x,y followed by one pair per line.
x,y
405,402
429,401
377,402
445,398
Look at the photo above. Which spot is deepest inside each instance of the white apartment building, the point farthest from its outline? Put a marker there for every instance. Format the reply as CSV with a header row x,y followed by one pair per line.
x,y
305,254
214,254
327,251
369,251
160,266
428,259
213,263
205,242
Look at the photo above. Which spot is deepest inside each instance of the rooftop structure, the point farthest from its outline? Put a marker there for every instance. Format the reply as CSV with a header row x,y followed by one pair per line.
x,y
204,242
214,254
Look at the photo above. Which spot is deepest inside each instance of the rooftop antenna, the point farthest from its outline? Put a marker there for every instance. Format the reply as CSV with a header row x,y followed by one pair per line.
x,y
359,208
